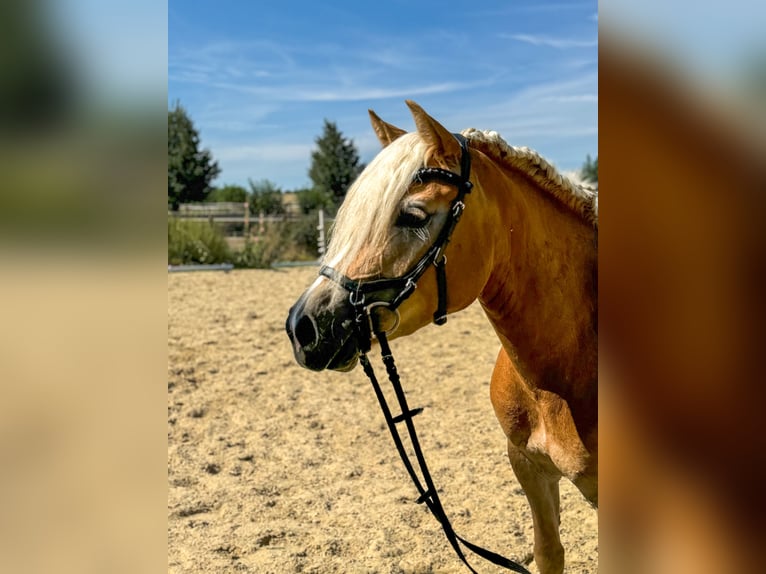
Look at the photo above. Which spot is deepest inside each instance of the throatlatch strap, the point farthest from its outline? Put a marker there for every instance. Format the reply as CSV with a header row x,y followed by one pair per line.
x,y
428,493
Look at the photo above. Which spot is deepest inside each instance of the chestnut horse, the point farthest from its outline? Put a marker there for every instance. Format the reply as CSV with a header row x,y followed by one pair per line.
x,y
525,246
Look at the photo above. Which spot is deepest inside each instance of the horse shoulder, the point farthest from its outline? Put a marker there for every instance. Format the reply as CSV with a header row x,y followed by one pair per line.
x,y
538,422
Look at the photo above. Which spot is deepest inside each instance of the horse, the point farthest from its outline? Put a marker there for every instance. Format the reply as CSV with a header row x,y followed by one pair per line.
x,y
525,247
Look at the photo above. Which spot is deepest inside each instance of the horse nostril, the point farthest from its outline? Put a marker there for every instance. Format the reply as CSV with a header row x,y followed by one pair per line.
x,y
305,333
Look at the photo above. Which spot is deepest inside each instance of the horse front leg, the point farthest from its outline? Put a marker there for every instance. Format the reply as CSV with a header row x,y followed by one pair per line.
x,y
542,490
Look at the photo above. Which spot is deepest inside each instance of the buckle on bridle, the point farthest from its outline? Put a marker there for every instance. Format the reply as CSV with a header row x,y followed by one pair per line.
x,y
356,302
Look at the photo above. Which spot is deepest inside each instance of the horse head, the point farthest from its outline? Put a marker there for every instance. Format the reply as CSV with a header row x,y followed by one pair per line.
x,y
391,234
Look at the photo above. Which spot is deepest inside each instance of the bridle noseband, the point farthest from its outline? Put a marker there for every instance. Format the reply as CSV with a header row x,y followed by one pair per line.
x,y
390,293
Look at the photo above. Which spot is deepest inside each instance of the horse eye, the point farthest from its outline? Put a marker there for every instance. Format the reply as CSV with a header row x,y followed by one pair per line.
x,y
413,218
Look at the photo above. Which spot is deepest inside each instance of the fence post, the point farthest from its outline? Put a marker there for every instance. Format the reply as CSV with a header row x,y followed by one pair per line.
x,y
247,219
320,227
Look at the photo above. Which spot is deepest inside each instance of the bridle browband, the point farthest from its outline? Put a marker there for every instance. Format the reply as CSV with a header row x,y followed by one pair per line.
x,y
379,292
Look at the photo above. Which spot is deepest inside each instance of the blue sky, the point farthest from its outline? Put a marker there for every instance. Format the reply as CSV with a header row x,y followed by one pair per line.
x,y
259,78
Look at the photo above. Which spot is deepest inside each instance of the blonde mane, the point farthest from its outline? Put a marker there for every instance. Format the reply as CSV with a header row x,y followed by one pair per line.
x,y
370,206
573,192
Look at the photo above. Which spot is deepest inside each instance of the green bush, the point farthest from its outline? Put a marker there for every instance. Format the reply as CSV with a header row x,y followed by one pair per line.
x,y
228,193
294,240
259,252
196,242
299,238
201,242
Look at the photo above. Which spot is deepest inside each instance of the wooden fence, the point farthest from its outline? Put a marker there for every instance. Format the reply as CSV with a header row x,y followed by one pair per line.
x,y
237,216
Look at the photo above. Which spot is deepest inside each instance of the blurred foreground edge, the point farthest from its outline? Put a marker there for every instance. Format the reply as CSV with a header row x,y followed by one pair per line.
x,y
682,416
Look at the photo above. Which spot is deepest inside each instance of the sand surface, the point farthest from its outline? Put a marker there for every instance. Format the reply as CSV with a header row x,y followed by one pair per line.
x,y
273,468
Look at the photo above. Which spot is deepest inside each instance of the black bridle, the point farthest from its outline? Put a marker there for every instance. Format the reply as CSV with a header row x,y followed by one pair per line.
x,y
365,296
377,292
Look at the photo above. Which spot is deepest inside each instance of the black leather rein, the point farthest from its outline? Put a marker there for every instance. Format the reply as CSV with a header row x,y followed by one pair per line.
x,y
379,292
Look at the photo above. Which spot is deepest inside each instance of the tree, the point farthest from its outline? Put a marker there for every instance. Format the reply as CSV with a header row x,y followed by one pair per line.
x,y
190,170
334,164
265,196
231,193
589,171
312,199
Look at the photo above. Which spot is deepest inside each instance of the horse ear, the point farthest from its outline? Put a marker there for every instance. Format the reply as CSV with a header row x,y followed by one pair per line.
x,y
441,141
386,132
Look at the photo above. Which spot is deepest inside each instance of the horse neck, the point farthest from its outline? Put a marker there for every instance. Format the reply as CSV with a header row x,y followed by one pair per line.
x,y
541,292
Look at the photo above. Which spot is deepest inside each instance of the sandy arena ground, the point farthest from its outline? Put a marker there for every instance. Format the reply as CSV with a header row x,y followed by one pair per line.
x,y
276,469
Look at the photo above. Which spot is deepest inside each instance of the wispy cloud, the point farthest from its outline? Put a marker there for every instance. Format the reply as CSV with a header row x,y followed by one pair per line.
x,y
364,75
229,60
583,88
573,98
323,93
550,41
516,8
552,117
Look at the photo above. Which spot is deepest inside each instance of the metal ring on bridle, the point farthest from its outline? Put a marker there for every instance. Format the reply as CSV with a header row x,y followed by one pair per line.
x,y
395,312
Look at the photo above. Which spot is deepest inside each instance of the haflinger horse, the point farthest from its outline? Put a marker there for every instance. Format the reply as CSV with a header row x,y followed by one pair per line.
x,y
525,247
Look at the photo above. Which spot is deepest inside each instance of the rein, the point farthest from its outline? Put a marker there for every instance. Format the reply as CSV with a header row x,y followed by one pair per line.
x,y
365,330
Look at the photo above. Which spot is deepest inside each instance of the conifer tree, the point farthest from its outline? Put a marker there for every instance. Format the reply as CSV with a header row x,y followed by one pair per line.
x,y
190,170
334,164
589,171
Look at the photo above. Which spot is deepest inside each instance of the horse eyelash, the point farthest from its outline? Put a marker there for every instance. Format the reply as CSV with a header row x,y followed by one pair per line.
x,y
421,233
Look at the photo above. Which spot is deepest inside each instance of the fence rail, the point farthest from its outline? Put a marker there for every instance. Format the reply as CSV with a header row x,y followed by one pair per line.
x,y
239,213
235,218
213,208
228,212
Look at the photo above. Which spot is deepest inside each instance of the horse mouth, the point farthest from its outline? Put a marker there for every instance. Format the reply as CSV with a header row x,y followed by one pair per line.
x,y
346,358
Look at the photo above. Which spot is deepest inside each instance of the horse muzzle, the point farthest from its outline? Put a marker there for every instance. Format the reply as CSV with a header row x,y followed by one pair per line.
x,y
322,336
